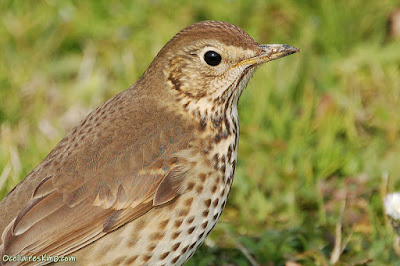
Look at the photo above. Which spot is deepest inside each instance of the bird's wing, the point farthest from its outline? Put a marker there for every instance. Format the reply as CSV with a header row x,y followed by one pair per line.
x,y
48,225
97,187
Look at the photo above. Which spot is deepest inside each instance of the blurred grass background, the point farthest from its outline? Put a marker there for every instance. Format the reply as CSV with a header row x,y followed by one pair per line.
x,y
319,144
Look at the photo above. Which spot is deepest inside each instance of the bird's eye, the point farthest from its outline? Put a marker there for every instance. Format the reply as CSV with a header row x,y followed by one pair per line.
x,y
212,58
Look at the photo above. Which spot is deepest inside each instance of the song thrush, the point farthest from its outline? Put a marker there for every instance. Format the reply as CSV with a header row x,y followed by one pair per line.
x,y
143,179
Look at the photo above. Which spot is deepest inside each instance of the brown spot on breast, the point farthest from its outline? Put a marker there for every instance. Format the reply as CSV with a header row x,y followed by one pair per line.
x,y
207,203
214,188
196,112
216,161
156,236
176,246
215,216
216,120
203,124
222,192
145,258
191,229
184,249
236,141
192,245
183,212
223,204
131,260
229,153
202,177
199,189
178,223
223,161
223,168
118,261
175,259
176,234
216,157
190,186
204,225
132,241
215,203
218,138
139,226
190,220
186,104
200,236
188,202
164,255
151,247
205,213
163,224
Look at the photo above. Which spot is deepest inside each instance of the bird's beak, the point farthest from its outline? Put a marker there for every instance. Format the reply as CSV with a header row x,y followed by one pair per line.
x,y
270,52
275,51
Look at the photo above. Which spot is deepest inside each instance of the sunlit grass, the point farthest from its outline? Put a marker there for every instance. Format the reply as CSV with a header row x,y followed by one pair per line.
x,y
318,128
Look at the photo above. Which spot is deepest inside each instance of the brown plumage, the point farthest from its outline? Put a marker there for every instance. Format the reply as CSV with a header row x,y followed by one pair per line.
x,y
144,178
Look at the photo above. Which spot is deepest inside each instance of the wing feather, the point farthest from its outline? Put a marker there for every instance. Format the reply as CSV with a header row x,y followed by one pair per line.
x,y
106,181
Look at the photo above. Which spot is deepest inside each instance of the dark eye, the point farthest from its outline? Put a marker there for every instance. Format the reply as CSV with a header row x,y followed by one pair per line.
x,y
212,58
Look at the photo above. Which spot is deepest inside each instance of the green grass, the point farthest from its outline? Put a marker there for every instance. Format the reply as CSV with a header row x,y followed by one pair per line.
x,y
318,128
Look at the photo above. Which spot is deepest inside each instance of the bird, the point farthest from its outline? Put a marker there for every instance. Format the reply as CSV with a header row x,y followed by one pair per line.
x,y
144,178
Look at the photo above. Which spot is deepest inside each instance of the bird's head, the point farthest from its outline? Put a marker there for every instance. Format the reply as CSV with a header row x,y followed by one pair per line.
x,y
209,63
